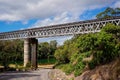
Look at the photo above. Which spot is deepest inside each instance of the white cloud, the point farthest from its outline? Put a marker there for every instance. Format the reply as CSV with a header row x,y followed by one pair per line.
x,y
18,10
117,4
60,40
59,19
48,12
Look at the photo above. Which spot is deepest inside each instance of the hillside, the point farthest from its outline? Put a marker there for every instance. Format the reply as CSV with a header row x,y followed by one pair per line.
x,y
92,55
109,71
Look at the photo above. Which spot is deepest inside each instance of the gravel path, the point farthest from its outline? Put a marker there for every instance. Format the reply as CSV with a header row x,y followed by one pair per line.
x,y
41,74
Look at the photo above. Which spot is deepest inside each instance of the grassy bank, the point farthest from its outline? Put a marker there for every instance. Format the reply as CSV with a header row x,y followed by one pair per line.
x,y
46,61
40,62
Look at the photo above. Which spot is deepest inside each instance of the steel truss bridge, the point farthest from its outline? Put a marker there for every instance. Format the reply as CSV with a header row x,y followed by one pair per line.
x,y
82,27
30,35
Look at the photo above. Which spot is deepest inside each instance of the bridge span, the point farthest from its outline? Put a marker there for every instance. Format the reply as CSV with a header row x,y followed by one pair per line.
x,y
30,35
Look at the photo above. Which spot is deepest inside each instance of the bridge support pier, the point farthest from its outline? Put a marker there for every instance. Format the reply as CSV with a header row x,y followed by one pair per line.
x,y
30,52
34,45
26,51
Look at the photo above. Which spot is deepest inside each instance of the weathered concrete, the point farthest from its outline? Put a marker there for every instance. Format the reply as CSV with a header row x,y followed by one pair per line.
x,y
30,52
34,45
26,51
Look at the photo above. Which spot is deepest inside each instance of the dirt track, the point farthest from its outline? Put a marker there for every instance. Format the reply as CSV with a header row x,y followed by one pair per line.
x,y
41,74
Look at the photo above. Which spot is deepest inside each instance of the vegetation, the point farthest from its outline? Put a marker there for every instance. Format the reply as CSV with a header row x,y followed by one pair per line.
x,y
89,50
109,12
46,50
11,52
82,52
76,55
46,61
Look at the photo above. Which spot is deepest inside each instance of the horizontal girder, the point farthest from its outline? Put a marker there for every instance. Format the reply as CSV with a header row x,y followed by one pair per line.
x,y
82,27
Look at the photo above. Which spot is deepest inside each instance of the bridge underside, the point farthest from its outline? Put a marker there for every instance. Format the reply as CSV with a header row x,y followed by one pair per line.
x,y
30,52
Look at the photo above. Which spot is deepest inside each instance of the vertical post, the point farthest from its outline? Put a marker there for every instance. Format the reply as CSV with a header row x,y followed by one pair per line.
x,y
26,51
34,45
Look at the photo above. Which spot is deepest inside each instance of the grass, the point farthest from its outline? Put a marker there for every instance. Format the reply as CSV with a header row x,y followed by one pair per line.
x,y
46,61
40,62
19,64
67,68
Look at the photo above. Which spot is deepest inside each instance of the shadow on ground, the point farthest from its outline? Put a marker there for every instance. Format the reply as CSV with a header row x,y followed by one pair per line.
x,y
20,76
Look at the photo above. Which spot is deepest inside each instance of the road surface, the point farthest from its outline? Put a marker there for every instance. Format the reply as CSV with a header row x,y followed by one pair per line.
x,y
41,74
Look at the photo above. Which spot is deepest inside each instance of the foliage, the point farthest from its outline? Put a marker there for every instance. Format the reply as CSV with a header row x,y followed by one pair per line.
x,y
46,50
10,51
45,61
109,12
61,55
89,50
43,50
79,64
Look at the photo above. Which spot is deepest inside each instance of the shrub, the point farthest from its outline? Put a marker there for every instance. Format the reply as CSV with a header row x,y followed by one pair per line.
x,y
103,47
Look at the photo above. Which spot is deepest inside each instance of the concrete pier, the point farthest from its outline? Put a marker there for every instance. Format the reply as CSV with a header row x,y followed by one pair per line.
x,y
34,45
30,52
26,52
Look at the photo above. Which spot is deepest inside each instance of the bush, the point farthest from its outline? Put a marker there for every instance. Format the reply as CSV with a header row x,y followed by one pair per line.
x,y
61,55
104,47
67,68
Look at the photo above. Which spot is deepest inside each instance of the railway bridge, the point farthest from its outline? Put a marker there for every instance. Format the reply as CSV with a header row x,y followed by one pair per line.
x,y
30,35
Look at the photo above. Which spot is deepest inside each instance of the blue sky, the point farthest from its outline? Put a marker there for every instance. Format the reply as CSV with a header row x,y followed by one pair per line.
x,y
18,25
23,14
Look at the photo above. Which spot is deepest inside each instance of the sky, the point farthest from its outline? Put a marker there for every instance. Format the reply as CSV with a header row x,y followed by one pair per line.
x,y
23,14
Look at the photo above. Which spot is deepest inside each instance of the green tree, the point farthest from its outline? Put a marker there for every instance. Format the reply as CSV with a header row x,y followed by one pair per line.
x,y
44,50
47,50
109,12
61,54
10,51
90,50
53,46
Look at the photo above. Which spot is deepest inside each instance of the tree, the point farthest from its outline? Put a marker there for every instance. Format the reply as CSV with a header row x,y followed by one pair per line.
x,y
46,49
53,46
43,49
90,50
109,12
10,51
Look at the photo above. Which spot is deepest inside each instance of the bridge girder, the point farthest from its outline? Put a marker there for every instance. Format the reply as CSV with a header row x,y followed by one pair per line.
x,y
82,27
